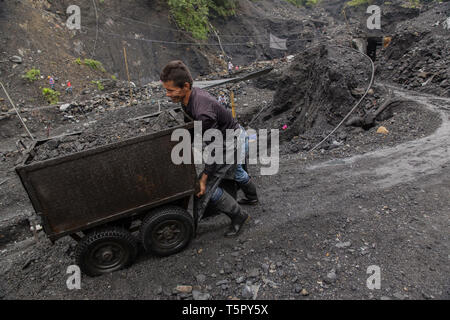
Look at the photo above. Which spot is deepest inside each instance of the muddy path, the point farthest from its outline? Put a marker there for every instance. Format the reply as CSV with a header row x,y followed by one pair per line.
x,y
318,227
407,161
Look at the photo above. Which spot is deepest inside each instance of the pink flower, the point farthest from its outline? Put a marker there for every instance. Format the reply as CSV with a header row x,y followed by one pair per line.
x,y
285,127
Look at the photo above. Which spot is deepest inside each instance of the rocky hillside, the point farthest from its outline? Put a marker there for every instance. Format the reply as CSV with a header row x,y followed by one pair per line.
x,y
48,46
106,29
419,56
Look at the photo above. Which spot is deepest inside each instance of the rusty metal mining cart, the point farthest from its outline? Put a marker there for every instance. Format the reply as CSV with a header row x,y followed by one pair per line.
x,y
96,196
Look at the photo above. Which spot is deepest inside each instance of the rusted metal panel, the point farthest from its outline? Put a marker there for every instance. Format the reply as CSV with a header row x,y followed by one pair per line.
x,y
103,184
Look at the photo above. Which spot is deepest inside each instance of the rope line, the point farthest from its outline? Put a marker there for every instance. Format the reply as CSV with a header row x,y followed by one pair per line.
x,y
195,43
17,111
175,42
96,32
357,104
109,15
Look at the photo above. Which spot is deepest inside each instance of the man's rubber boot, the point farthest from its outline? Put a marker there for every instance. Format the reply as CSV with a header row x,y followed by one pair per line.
x,y
228,205
249,189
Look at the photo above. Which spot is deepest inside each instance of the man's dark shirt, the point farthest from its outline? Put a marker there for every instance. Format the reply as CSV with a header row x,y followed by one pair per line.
x,y
205,108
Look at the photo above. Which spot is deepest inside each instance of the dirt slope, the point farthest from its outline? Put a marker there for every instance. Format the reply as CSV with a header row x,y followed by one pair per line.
x,y
338,218
47,44
361,199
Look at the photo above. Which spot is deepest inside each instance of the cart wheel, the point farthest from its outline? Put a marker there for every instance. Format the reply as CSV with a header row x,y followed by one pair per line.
x,y
166,230
106,250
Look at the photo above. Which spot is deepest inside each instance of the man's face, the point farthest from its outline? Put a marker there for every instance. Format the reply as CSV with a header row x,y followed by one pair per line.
x,y
176,94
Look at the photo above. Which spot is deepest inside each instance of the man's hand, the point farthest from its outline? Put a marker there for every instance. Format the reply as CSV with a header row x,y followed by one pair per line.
x,y
202,183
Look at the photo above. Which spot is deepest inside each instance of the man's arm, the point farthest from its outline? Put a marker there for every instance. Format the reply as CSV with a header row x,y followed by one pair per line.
x,y
202,182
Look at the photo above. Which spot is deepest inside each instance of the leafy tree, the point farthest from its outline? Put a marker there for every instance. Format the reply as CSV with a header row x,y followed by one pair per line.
x,y
193,15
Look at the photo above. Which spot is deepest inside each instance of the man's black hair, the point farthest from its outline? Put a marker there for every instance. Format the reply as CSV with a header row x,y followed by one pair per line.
x,y
177,72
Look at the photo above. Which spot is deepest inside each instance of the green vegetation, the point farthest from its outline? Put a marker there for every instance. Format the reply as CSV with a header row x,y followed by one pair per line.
x,y
303,3
32,75
50,95
99,84
94,64
355,3
223,8
113,77
412,4
406,4
193,15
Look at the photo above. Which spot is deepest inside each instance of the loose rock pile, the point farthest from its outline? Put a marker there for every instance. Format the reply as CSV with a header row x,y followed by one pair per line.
x,y
317,90
418,56
102,132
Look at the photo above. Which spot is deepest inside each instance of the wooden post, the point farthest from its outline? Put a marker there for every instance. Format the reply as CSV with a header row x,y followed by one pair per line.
x,y
233,111
348,26
128,74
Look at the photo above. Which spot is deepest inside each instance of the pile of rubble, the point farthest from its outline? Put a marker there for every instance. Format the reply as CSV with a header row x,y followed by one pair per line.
x,y
108,130
315,92
418,56
125,95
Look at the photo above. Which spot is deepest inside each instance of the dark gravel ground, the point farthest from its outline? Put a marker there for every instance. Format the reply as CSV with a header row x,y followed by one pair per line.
x,y
337,219
362,199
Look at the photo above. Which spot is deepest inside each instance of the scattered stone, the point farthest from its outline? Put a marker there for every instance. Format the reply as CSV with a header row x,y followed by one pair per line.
x,y
64,107
270,283
201,278
253,273
358,92
184,295
38,228
399,296
28,263
240,280
167,292
304,292
222,282
197,295
158,291
184,289
364,250
343,244
247,292
16,59
427,296
331,277
382,130
250,291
